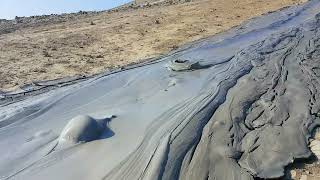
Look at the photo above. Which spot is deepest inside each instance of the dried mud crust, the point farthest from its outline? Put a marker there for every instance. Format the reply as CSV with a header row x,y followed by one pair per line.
x,y
86,43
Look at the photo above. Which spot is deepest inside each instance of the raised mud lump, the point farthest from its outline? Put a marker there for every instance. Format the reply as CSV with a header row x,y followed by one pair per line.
x,y
185,65
81,129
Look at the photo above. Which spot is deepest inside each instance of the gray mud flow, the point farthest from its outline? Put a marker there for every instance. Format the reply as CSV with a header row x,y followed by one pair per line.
x,y
236,106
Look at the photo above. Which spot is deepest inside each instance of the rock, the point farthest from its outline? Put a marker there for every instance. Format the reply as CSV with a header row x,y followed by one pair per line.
x,y
315,143
293,174
316,134
315,147
304,177
290,174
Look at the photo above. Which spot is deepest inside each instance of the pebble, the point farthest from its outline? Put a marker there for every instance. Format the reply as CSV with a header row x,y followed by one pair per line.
x,y
293,174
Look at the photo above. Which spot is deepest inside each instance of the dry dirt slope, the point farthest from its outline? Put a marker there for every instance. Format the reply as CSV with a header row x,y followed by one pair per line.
x,y
91,43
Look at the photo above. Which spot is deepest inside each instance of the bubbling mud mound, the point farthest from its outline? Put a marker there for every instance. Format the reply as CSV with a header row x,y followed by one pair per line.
x,y
179,65
80,129
185,65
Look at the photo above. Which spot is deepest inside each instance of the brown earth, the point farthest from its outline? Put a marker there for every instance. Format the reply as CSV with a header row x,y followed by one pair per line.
x,y
91,43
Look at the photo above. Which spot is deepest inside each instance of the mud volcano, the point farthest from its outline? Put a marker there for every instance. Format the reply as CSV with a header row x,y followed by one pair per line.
x,y
246,112
81,129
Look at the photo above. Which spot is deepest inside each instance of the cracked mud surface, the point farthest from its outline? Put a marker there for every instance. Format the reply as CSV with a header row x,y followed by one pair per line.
x,y
248,115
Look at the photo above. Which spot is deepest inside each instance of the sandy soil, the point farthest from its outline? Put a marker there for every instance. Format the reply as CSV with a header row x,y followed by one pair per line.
x,y
95,43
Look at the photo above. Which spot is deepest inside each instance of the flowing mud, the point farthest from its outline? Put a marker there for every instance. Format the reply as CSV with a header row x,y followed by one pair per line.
x,y
240,105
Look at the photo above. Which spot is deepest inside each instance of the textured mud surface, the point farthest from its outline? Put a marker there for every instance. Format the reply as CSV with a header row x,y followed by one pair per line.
x,y
246,110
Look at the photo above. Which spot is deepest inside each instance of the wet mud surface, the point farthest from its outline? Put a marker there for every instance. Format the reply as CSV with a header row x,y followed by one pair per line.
x,y
240,105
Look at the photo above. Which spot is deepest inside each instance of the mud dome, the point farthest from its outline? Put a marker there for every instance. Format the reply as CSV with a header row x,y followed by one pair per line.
x,y
80,129
248,111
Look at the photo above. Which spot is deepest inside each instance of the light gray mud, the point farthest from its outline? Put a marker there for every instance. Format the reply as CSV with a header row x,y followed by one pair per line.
x,y
246,111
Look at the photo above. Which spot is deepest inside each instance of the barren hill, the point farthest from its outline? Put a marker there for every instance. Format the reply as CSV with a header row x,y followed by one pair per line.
x,y
55,46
